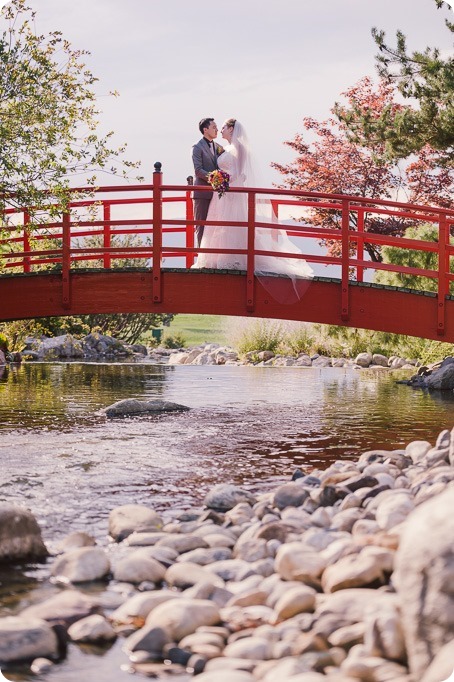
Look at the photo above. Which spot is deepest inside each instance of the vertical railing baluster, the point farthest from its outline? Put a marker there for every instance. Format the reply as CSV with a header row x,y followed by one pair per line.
x,y
106,235
443,270
157,233
189,223
360,244
345,303
26,241
250,296
66,260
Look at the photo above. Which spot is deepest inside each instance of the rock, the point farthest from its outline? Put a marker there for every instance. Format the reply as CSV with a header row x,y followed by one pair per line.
x,y
295,600
424,582
357,570
132,407
149,638
138,567
290,495
40,666
131,518
203,556
185,574
225,496
393,510
94,628
181,617
65,346
20,535
66,607
24,638
226,676
384,635
140,605
364,359
442,666
295,562
81,565
372,668
442,379
380,360
255,648
182,543
75,541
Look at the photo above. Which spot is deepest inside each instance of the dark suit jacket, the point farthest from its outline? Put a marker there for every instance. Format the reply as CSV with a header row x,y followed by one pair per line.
x,y
204,163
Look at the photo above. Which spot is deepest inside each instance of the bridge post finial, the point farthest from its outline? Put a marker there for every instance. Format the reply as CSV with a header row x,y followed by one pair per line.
x,y
157,167
190,179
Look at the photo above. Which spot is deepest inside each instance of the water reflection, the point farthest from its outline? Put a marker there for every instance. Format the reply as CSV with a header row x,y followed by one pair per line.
x,y
248,425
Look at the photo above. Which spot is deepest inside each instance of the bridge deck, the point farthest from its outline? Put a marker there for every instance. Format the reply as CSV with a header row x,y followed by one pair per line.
x,y
372,306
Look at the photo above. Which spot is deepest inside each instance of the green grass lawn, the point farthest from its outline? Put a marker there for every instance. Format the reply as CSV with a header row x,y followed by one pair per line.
x,y
197,329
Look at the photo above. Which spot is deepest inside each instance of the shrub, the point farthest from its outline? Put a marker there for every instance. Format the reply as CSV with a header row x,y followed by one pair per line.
x,y
176,340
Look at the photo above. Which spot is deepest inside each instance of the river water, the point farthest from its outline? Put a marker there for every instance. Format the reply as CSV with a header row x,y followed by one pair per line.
x,y
251,426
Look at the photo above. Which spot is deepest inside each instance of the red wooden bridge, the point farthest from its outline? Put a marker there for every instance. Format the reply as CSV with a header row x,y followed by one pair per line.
x,y
71,265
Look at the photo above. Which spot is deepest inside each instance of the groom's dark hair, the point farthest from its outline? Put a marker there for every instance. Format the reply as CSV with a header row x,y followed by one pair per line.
x,y
205,123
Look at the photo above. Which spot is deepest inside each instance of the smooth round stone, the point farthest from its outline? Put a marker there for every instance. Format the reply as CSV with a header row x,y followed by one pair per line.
x,y
67,606
296,600
94,628
81,565
393,510
140,605
130,518
290,495
225,496
248,598
255,648
75,541
41,665
137,568
185,574
182,543
182,617
226,676
293,562
203,556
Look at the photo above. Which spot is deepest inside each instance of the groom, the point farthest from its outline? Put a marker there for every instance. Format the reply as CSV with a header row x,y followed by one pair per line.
x,y
205,158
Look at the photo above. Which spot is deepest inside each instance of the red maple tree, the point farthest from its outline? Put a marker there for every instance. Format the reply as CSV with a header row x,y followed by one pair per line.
x,y
331,162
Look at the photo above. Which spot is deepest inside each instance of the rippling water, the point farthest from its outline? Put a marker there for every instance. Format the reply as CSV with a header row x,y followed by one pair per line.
x,y
252,426
248,425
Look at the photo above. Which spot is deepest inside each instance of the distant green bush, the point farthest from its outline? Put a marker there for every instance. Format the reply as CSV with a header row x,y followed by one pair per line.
x,y
176,340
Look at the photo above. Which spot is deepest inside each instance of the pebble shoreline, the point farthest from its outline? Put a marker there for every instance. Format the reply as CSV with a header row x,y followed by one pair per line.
x,y
340,574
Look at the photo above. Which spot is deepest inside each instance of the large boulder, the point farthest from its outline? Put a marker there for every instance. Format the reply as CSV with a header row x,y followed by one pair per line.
x,y
423,577
442,379
82,565
24,639
224,497
131,407
65,346
20,534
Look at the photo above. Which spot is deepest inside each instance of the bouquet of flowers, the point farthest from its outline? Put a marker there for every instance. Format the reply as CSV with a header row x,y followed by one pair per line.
x,y
219,180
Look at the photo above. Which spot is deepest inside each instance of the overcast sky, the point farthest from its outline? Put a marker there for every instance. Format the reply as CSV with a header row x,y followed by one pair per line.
x,y
268,64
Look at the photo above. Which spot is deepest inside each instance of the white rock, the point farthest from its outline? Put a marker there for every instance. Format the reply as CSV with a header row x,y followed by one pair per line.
x,y
140,605
186,573
81,565
295,562
226,676
136,568
297,600
255,648
393,510
131,518
181,617
94,628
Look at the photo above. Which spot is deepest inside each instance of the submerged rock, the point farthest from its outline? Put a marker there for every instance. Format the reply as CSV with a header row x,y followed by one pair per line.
x,y
132,407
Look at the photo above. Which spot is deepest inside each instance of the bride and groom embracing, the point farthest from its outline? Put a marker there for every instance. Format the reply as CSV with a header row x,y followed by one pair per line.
x,y
235,159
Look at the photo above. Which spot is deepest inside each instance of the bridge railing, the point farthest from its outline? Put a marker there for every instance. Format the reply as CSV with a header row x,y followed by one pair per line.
x,y
87,235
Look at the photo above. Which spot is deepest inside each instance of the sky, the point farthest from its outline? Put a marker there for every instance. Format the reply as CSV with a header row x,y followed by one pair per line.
x,y
269,64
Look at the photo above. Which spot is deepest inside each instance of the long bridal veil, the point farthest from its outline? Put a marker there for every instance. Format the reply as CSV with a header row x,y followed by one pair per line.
x,y
285,278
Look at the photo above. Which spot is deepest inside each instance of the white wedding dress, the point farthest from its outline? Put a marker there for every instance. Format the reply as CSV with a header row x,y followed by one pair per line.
x,y
232,206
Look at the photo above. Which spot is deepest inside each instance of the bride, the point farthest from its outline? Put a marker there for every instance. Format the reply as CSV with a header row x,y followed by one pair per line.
x,y
233,206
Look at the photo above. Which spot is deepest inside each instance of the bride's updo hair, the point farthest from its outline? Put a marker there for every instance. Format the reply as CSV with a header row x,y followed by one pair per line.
x,y
230,122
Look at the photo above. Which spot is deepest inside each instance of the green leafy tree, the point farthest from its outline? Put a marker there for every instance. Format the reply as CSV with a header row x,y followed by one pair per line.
x,y
48,116
428,78
414,258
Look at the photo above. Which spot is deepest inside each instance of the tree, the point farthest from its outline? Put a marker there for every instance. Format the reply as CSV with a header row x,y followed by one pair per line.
x,y
48,115
414,258
333,163
426,77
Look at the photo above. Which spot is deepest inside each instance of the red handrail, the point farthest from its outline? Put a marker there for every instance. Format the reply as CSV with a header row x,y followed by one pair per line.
x,y
26,243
